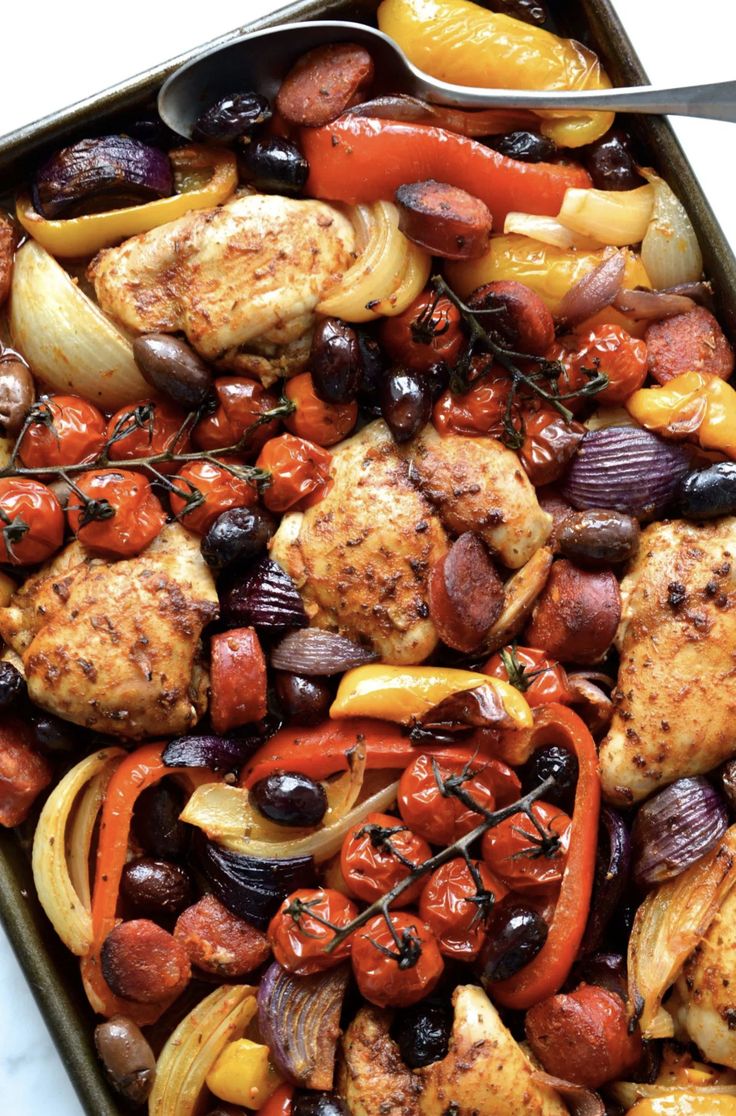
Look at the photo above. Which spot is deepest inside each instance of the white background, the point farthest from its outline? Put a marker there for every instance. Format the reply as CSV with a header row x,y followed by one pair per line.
x,y
57,53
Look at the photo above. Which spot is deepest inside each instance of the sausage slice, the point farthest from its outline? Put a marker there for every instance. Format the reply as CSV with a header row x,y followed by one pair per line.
x,y
218,941
323,83
445,220
143,963
689,342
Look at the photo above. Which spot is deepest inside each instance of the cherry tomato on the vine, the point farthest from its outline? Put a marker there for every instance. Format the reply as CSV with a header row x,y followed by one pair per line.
x,y
313,419
479,411
399,966
456,903
241,402
298,932
145,429
549,445
428,806
525,857
31,521
300,473
64,430
114,512
539,678
205,489
378,853
428,331
623,358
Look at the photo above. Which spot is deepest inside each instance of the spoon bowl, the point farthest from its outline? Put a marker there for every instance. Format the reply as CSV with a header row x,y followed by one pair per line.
x,y
260,60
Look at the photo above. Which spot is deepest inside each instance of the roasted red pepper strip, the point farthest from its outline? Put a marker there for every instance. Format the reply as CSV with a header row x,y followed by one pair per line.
x,y
362,159
323,750
279,1103
556,724
138,770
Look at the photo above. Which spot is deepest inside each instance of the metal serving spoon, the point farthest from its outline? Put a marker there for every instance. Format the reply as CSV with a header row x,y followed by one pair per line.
x,y
259,61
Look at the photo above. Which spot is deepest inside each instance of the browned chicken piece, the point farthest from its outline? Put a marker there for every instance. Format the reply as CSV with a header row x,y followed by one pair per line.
x,y
675,703
115,646
477,484
706,1006
485,1070
361,557
241,280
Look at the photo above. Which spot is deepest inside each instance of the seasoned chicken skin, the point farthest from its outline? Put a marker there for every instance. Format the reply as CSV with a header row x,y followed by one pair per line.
x,y
485,1071
707,989
676,696
361,557
241,280
115,646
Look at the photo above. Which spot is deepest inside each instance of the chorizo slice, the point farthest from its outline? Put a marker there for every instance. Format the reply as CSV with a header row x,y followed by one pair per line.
x,y
444,219
323,83
218,941
523,318
23,772
689,342
466,594
577,614
144,963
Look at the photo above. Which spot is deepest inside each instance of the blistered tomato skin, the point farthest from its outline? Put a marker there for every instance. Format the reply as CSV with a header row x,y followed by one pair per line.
x,y
428,331
300,472
314,419
305,924
396,966
64,430
455,904
145,429
379,853
219,489
115,513
526,855
439,818
31,521
241,404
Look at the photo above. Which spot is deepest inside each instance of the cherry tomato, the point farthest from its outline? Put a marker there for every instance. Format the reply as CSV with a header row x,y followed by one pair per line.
x,y
147,428
539,678
522,856
65,430
623,358
220,489
241,402
479,411
313,419
300,473
299,936
120,515
379,852
442,818
428,331
572,379
396,967
456,903
31,521
549,445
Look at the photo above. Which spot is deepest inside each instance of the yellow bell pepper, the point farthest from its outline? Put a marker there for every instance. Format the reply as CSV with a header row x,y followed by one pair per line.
x,y
692,403
686,1104
403,694
463,43
205,176
243,1074
548,270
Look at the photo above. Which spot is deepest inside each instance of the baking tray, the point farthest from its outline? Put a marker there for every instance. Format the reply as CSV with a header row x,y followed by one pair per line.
x,y
52,972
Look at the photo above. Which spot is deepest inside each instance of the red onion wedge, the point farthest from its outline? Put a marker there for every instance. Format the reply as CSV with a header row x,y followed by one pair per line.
x,y
651,305
312,651
596,290
612,867
216,753
299,1020
412,110
265,598
626,469
249,886
675,828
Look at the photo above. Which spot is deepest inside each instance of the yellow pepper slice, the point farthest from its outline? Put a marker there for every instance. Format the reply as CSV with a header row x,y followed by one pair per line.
x,y
463,43
691,403
402,694
686,1104
206,176
243,1074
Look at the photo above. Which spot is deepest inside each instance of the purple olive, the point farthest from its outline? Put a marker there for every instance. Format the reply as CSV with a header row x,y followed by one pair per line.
x,y
290,798
516,933
336,362
306,700
406,403
156,887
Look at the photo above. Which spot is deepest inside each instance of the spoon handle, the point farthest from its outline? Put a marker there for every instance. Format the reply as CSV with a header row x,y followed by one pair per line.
x,y
714,102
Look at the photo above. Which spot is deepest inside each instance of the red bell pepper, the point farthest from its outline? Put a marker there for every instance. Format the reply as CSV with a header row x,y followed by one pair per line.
x,y
556,724
279,1103
238,679
361,159
323,750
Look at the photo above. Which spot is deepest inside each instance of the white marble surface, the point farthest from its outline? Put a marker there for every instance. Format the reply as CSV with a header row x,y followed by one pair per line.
x,y
70,55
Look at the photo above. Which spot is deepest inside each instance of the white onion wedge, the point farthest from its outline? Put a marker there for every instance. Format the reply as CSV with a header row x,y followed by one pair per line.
x,y
549,231
617,217
670,251
68,342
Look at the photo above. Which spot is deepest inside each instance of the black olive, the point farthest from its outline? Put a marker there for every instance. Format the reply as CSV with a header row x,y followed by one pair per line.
x,y
527,147
238,534
598,539
406,403
306,701
335,362
423,1034
233,116
156,822
156,887
307,1103
709,493
611,162
54,734
12,685
276,166
551,761
172,367
374,366
516,933
290,798
438,378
